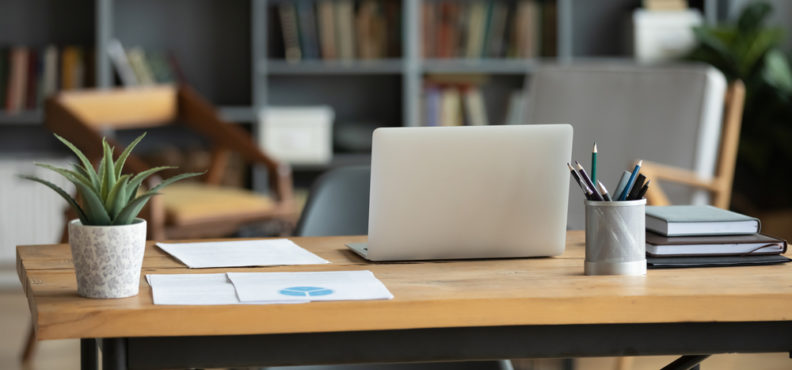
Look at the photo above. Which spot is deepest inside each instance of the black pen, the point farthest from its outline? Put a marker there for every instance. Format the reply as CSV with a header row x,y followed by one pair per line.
x,y
636,188
587,180
643,190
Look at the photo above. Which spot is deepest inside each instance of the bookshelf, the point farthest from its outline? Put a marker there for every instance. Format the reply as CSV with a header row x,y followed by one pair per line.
x,y
229,51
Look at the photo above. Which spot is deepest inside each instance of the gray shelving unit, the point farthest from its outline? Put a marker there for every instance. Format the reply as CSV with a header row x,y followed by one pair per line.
x,y
222,47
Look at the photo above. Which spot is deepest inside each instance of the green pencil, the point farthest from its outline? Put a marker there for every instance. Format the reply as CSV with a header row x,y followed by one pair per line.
x,y
594,163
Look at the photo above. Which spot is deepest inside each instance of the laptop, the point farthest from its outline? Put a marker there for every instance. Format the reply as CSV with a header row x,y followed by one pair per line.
x,y
468,192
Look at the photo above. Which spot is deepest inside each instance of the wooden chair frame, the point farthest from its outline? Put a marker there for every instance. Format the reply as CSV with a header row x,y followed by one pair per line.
x,y
719,186
80,116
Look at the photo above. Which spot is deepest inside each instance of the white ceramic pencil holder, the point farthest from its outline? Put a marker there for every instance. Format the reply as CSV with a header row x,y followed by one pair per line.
x,y
615,237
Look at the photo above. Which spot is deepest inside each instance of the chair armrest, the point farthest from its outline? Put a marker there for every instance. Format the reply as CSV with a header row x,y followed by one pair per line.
x,y
678,175
655,171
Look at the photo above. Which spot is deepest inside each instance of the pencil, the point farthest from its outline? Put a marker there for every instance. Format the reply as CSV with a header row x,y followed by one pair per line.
x,y
579,182
604,191
587,180
594,164
630,182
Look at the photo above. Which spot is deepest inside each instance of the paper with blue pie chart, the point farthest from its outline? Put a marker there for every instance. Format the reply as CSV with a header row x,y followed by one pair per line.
x,y
305,291
312,286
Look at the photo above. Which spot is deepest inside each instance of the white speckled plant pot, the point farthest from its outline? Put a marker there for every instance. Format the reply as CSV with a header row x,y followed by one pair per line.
x,y
107,259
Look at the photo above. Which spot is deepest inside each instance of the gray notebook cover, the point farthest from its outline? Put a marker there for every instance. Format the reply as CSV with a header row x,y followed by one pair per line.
x,y
695,214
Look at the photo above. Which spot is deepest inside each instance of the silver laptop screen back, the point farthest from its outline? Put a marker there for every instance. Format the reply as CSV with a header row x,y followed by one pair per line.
x,y
469,192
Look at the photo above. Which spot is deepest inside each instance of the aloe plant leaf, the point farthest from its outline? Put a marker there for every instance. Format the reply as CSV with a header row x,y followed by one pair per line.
x,y
69,175
87,166
138,179
128,213
73,203
117,196
132,192
173,179
94,209
108,180
119,165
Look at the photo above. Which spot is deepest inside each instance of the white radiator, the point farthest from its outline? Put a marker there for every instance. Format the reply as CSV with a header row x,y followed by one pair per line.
x,y
31,212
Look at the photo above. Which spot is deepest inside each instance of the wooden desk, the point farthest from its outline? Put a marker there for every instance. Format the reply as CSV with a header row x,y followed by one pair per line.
x,y
481,309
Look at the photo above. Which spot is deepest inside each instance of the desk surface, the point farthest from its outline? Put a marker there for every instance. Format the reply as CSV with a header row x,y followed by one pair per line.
x,y
440,294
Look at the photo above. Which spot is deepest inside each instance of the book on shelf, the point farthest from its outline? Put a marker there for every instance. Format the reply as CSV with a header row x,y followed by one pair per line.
x,y
345,34
137,60
72,68
687,220
487,28
306,21
452,100
327,29
291,36
729,245
49,79
137,66
17,78
336,29
121,63
29,74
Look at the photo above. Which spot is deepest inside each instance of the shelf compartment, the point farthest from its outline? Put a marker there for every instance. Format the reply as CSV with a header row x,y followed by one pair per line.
x,y
28,117
493,66
337,67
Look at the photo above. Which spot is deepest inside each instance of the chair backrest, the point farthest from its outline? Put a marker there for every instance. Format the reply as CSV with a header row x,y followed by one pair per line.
x,y
338,204
666,114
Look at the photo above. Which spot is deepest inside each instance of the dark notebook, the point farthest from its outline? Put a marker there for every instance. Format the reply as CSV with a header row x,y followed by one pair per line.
x,y
716,261
723,245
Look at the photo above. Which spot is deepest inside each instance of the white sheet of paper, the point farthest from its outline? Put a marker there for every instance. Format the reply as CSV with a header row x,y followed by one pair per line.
x,y
315,286
241,253
197,289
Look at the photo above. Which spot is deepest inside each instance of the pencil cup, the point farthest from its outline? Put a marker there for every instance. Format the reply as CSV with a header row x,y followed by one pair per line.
x,y
615,236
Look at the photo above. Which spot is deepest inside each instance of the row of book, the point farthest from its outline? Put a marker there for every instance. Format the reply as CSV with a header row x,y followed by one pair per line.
x,y
488,29
688,236
29,74
459,104
337,29
138,67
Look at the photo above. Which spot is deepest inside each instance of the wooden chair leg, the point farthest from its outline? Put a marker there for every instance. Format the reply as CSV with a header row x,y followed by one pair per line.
x,y
624,363
30,346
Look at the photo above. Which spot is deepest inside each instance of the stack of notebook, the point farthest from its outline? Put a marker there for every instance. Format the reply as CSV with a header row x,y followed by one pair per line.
x,y
694,236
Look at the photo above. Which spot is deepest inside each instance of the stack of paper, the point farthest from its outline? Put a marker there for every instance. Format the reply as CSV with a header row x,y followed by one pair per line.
x,y
265,287
240,253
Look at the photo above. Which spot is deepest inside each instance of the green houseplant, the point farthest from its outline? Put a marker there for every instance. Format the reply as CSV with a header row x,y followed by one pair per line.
x,y
748,50
108,240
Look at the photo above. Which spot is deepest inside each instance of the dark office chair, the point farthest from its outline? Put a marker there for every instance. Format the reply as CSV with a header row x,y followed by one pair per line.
x,y
338,204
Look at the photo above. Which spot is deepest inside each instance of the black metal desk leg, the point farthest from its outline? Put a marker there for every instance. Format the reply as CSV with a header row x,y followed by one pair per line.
x,y
114,354
686,362
88,360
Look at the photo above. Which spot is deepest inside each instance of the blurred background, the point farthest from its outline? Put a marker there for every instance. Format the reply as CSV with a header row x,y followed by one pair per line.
x,y
310,80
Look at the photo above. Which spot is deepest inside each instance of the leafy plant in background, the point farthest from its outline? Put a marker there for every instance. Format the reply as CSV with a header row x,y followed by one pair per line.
x,y
108,197
748,50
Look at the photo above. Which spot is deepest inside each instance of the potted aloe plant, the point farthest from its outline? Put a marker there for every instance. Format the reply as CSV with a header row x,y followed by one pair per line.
x,y
108,240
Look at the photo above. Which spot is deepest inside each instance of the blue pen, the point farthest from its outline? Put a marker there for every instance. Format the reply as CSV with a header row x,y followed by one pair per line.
x,y
630,182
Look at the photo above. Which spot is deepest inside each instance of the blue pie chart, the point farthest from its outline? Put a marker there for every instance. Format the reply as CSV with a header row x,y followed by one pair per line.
x,y
306,291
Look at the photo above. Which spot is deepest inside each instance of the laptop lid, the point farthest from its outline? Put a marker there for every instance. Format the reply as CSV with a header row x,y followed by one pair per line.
x,y
468,192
